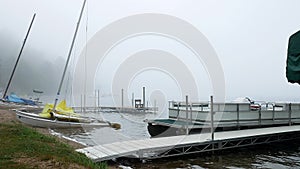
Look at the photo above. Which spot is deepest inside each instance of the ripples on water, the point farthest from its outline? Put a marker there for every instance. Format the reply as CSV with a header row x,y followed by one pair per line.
x,y
284,155
272,156
132,127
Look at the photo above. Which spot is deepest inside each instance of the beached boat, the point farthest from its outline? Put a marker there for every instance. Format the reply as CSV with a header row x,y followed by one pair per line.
x,y
58,121
194,118
59,115
63,117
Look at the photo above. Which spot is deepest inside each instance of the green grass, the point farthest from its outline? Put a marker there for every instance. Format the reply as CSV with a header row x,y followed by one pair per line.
x,y
18,142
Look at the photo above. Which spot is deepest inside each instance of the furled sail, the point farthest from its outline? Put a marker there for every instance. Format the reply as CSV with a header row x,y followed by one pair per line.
x,y
61,109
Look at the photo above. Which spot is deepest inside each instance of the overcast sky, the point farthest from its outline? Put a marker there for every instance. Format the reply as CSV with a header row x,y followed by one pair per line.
x,y
249,37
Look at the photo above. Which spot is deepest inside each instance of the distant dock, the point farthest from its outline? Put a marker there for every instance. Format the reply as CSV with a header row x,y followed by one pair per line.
x,y
117,109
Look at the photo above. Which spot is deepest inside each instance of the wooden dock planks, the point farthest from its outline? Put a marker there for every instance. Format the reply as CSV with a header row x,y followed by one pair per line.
x,y
137,147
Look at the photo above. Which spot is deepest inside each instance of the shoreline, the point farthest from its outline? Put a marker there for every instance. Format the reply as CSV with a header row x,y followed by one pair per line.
x,y
7,115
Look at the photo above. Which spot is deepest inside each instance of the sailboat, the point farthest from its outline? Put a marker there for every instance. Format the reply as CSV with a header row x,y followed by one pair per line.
x,y
13,98
62,117
59,115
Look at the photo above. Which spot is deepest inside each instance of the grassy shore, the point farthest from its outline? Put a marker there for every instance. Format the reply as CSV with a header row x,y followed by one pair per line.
x,y
25,147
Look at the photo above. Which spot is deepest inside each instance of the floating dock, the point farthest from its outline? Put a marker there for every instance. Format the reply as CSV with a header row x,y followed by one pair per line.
x,y
188,144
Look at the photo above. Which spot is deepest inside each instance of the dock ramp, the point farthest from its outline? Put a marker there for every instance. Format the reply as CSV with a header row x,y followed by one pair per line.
x,y
188,144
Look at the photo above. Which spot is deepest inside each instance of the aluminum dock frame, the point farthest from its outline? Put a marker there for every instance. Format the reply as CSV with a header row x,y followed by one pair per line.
x,y
189,144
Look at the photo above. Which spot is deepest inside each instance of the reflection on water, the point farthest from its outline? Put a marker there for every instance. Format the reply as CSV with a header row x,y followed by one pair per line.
x,y
273,156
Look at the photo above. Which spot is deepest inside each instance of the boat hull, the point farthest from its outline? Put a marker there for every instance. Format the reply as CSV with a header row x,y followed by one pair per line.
x,y
163,127
36,121
161,130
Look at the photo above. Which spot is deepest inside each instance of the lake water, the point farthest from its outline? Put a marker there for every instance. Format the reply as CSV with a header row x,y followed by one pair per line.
x,y
279,155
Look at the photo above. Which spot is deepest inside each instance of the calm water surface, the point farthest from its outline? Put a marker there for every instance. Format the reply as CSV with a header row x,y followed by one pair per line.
x,y
273,156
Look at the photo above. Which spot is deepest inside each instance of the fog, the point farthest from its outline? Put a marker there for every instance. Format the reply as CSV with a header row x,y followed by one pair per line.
x,y
32,71
249,37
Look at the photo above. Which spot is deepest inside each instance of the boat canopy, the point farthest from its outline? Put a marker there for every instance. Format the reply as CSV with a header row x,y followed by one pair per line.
x,y
16,99
293,59
61,108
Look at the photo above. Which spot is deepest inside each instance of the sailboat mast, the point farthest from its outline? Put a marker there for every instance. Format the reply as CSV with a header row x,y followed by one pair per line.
x,y
69,55
19,56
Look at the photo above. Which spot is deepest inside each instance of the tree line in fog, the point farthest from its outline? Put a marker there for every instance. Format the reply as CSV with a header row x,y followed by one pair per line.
x,y
34,71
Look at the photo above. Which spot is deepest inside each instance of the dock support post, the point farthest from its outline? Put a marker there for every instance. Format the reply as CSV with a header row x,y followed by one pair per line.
x,y
273,113
212,118
122,99
178,105
81,110
132,100
84,103
238,116
99,107
290,114
191,113
259,116
95,108
187,114
144,99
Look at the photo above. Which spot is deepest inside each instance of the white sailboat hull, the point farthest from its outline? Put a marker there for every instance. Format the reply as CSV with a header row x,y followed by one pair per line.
x,y
37,121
